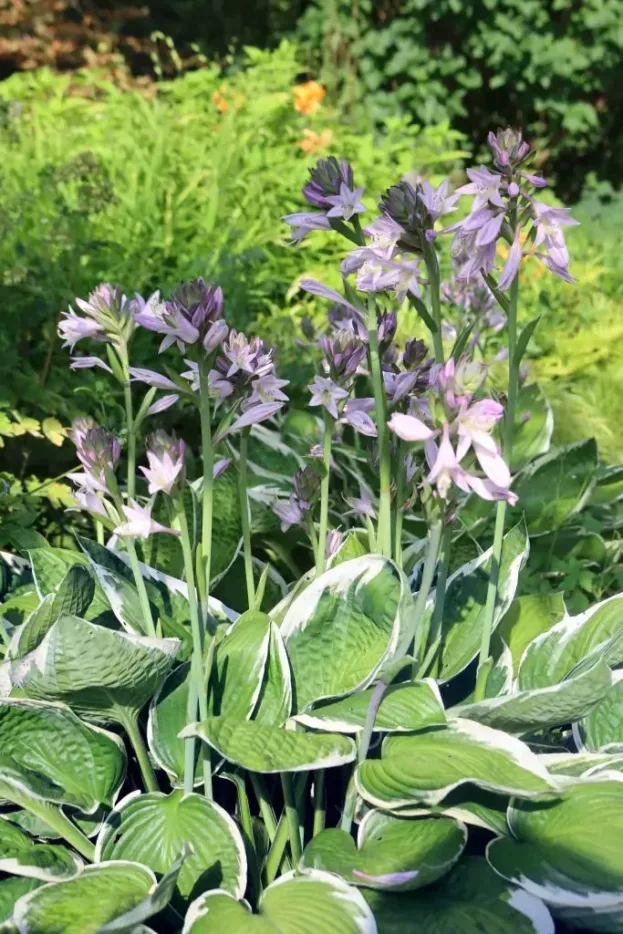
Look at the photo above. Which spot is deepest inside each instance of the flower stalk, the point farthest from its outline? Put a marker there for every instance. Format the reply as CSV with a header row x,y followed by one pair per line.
x,y
321,546
384,532
244,518
207,494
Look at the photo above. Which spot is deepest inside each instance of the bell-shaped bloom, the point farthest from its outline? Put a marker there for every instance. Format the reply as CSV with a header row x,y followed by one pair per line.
x,y
484,185
549,222
74,328
151,378
265,390
437,200
327,393
346,204
254,415
303,222
474,425
139,523
88,363
363,504
289,511
165,454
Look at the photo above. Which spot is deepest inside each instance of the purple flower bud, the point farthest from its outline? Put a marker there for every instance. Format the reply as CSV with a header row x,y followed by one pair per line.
x,y
98,451
344,353
508,146
192,312
335,539
404,204
513,190
414,354
306,485
386,330
326,179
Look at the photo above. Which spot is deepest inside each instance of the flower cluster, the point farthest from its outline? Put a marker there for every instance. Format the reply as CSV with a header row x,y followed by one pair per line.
x,y
331,188
194,315
504,205
461,425
107,317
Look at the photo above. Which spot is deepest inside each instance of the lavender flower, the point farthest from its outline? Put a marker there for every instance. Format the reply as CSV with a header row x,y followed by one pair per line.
x,y
289,511
410,428
549,222
302,223
74,329
266,389
335,540
356,414
326,179
363,504
108,318
295,509
98,451
327,393
344,353
347,203
165,454
194,315
485,186
509,148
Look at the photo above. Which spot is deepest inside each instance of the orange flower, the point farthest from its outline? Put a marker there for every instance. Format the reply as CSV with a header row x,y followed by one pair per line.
x,y
307,97
219,100
315,142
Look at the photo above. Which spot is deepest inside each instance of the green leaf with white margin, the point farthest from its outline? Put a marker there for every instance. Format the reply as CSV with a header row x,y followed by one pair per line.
x,y
107,898
238,666
275,701
602,728
49,742
261,748
569,853
532,435
355,545
21,856
528,617
470,805
344,626
29,635
103,675
470,900
51,565
117,582
582,764
466,595
11,889
152,829
35,825
416,852
167,716
404,707
541,708
311,902
425,767
555,486
551,656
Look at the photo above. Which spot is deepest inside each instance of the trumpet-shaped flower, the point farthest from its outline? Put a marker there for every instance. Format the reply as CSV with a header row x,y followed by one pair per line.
x,y
327,393
165,455
139,523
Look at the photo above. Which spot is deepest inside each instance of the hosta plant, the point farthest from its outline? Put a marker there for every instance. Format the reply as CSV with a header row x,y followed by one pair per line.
x,y
386,734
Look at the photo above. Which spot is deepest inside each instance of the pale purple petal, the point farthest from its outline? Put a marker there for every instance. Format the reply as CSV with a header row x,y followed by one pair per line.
x,y
410,428
161,405
258,413
220,467
511,266
151,378
323,291
88,363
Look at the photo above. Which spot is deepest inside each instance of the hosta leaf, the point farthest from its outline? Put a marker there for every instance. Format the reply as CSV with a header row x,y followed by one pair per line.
x,y
152,829
603,726
568,852
469,805
238,667
543,707
528,617
556,485
353,546
309,903
21,856
579,764
51,565
343,627
275,701
167,716
470,900
101,674
532,434
425,767
404,707
415,851
227,523
109,898
261,748
48,742
11,889
551,656
466,595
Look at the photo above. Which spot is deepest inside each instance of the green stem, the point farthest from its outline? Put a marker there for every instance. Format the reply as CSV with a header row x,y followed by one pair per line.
x,y
130,725
244,517
319,802
54,818
197,694
400,492
384,533
127,392
363,746
207,495
263,800
484,663
321,546
420,639
246,822
292,818
432,267
141,589
440,592
99,532
277,850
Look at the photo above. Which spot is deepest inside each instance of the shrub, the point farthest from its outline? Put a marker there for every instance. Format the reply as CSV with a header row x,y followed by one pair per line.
x,y
551,67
